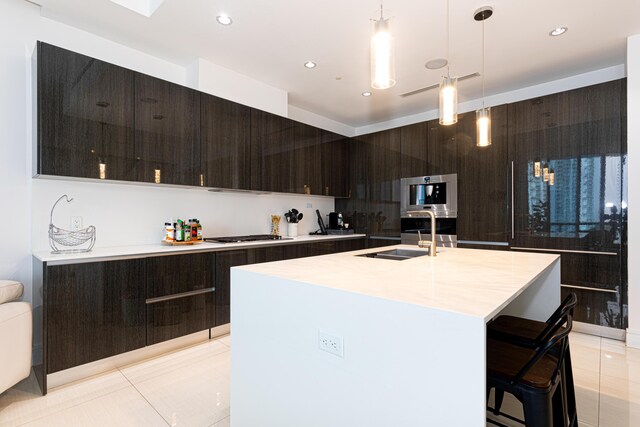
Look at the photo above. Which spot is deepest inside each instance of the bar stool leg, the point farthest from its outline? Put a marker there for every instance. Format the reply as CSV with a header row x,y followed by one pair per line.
x,y
537,410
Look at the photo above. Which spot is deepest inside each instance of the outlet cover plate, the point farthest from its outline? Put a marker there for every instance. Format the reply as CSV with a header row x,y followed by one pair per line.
x,y
76,223
331,343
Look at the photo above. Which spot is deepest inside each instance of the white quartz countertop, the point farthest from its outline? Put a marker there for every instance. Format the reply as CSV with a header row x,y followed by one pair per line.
x,y
472,282
141,251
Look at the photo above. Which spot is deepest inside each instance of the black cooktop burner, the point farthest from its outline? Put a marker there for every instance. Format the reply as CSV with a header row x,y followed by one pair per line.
x,y
239,239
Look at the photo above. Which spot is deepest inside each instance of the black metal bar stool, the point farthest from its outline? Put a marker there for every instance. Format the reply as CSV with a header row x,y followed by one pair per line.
x,y
533,375
531,334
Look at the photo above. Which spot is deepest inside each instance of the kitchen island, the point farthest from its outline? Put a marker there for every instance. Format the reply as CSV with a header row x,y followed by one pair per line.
x,y
408,336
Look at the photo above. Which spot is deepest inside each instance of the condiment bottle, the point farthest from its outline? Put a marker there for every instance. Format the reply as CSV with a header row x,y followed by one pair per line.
x,y
199,230
179,231
169,232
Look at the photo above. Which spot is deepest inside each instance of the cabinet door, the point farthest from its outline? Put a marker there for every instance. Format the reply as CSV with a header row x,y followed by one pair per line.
x,y
93,311
335,165
272,152
180,295
167,118
384,175
568,152
224,261
354,208
225,144
85,116
349,245
307,165
442,151
483,175
413,150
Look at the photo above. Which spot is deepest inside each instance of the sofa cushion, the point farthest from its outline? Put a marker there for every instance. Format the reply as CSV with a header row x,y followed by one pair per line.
x,y
10,290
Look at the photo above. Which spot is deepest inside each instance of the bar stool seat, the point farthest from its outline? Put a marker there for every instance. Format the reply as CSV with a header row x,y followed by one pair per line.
x,y
529,334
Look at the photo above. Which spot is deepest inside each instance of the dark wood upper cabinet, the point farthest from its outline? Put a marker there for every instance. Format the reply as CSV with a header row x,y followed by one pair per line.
x,y
483,178
307,165
167,118
85,116
180,295
442,150
93,310
413,150
225,143
336,163
272,152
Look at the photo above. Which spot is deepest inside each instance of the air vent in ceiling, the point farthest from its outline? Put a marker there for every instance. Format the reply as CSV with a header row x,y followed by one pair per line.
x,y
435,86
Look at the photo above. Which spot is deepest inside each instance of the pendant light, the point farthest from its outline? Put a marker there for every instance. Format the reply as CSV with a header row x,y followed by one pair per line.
x,y
483,115
383,68
448,95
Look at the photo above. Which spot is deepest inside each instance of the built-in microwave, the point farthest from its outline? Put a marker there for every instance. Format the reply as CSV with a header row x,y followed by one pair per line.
x,y
438,193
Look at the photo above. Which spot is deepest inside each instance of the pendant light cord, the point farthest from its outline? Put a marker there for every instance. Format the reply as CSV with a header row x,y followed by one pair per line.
x,y
448,47
483,63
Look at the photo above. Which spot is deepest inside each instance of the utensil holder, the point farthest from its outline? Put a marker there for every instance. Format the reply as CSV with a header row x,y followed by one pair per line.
x,y
292,230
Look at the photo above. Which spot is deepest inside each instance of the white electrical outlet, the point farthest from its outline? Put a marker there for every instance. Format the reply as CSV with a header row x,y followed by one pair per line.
x,y
76,223
330,343
309,206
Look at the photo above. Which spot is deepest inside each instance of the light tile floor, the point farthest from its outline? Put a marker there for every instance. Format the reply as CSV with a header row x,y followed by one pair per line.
x,y
190,387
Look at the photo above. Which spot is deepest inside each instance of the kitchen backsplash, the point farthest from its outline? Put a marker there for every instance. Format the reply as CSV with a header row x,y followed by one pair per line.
x,y
126,214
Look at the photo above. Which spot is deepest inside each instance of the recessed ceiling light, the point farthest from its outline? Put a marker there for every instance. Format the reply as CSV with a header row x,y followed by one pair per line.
x,y
366,93
224,19
558,31
436,64
310,64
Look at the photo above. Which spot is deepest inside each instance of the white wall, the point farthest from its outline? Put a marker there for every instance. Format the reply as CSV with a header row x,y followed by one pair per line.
x,y
125,214
633,201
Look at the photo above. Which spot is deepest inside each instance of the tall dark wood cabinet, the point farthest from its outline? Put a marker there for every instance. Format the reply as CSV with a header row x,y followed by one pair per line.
x,y
483,180
442,149
383,184
167,123
225,143
413,150
93,310
355,206
272,152
85,116
568,153
180,295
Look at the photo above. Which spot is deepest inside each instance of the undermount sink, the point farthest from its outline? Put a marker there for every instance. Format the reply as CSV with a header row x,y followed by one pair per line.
x,y
396,254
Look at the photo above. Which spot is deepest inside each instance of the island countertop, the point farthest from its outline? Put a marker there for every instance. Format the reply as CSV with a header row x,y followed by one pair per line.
x,y
477,283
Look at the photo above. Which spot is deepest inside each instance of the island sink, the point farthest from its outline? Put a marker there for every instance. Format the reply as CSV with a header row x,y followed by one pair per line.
x,y
396,254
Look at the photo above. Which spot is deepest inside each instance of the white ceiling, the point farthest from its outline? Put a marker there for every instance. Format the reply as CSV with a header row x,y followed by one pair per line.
x,y
270,41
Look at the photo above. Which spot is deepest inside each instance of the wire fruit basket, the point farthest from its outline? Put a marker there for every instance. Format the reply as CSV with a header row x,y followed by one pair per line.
x,y
71,239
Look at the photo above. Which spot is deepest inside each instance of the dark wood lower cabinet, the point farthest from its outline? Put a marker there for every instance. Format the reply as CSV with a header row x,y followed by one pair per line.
x,y
101,309
224,261
93,311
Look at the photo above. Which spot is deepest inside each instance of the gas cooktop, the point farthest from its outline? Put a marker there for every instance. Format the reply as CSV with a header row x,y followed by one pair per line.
x,y
240,239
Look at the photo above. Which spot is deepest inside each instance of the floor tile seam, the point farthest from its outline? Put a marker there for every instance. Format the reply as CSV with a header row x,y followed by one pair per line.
x,y
147,400
599,381
72,406
172,369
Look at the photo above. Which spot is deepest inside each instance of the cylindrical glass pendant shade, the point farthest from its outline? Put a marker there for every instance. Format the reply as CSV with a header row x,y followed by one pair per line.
x,y
383,68
483,127
448,98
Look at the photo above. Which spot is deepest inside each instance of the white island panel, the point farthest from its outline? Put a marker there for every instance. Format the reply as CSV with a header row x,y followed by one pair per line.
x,y
401,363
